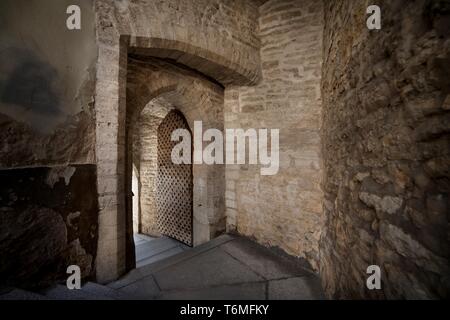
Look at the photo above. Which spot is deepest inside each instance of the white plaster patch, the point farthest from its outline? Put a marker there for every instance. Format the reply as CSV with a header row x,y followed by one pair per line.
x,y
57,173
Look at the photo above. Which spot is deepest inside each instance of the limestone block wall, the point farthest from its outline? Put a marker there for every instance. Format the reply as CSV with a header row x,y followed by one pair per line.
x,y
386,149
216,37
148,172
149,121
284,210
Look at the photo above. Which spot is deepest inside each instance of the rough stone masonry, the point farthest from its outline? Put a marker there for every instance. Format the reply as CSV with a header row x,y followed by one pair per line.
x,y
385,141
284,210
364,133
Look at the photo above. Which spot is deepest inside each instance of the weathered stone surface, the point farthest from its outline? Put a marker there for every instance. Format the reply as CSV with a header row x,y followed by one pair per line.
x,y
246,291
304,288
28,244
216,37
264,262
284,210
71,142
385,147
77,254
385,204
144,289
46,92
45,227
364,157
145,158
207,272
406,246
207,269
47,86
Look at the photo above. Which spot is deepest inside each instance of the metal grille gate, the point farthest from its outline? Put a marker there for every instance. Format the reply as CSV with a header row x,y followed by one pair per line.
x,y
173,184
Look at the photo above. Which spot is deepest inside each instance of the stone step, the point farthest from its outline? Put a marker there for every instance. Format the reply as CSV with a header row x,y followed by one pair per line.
x,y
146,250
159,256
144,237
139,242
144,271
151,268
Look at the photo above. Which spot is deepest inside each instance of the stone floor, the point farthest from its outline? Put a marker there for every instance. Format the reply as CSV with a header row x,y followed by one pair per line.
x,y
228,268
150,250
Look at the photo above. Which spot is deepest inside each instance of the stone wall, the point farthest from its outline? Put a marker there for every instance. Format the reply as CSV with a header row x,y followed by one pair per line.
x,y
47,132
48,221
215,37
386,149
149,121
364,152
284,210
47,82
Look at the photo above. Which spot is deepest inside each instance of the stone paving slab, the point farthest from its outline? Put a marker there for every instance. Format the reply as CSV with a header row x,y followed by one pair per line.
x,y
157,257
229,267
152,248
304,288
103,291
128,279
60,292
144,289
188,254
264,262
211,268
247,291
143,237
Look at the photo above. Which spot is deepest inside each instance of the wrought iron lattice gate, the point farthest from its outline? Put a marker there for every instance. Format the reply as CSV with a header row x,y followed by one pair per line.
x,y
173,184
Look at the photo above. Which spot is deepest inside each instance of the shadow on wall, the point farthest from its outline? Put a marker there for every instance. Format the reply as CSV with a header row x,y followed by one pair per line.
x,y
48,221
31,84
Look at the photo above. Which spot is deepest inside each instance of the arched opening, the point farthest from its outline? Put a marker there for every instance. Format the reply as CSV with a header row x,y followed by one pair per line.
x,y
153,87
216,55
162,191
186,206
174,184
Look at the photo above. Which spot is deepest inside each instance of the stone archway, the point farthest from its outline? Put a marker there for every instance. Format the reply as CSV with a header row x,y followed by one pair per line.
x,y
215,54
155,87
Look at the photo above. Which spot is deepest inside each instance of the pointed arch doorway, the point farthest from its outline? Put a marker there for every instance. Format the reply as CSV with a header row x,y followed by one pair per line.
x,y
174,184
